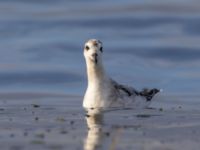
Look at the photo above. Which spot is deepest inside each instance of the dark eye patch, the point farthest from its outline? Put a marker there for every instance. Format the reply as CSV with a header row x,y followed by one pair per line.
x,y
87,47
101,49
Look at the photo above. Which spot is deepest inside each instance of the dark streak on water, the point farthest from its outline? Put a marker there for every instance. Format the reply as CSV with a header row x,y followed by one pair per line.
x,y
38,78
174,54
189,25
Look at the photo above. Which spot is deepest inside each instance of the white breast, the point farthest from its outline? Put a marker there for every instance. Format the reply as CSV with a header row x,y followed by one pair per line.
x,y
98,96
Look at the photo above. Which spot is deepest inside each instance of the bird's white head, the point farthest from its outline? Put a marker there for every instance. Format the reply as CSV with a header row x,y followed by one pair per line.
x,y
93,51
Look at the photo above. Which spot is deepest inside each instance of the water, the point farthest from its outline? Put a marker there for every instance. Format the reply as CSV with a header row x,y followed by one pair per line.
x,y
152,43
146,44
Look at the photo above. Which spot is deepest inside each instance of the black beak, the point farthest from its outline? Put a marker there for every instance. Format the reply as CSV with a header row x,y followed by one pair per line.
x,y
95,55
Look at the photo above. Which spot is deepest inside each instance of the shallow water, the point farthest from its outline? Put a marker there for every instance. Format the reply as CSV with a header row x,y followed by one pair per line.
x,y
152,43
55,122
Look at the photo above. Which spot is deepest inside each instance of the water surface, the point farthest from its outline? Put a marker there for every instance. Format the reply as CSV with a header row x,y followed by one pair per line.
x,y
146,44
153,44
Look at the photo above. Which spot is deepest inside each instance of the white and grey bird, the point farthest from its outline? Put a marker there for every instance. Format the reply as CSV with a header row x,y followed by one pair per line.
x,y
103,93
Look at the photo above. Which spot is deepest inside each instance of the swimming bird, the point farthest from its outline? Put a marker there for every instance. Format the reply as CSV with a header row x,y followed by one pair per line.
x,y
103,93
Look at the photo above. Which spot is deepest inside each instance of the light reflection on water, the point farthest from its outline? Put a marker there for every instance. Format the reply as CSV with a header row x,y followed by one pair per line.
x,y
99,136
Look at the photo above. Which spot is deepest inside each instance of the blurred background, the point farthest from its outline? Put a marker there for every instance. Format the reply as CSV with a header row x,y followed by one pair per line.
x,y
146,44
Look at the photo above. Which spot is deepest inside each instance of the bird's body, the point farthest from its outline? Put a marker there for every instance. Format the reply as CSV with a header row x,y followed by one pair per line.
x,y
103,92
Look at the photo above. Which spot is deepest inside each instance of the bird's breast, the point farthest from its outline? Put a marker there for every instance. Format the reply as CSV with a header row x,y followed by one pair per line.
x,y
97,96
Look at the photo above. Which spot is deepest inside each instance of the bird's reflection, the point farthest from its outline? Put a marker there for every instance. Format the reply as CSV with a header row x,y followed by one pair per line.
x,y
95,135
99,137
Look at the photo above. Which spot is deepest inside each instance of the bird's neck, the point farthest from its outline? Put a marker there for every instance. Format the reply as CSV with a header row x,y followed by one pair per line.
x,y
95,73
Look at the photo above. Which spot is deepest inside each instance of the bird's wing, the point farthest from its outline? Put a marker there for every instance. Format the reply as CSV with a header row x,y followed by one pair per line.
x,y
129,91
149,93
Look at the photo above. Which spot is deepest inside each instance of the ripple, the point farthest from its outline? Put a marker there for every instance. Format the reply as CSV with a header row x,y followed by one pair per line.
x,y
38,78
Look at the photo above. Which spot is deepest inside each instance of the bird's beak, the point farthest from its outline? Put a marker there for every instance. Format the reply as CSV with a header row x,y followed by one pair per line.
x,y
95,55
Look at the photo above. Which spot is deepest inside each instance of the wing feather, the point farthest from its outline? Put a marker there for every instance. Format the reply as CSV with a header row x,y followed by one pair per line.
x,y
129,91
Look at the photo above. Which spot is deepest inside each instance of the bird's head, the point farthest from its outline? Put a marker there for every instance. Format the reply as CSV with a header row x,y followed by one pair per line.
x,y
93,51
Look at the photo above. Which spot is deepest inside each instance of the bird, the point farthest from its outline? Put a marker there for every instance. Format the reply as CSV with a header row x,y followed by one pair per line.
x,y
103,93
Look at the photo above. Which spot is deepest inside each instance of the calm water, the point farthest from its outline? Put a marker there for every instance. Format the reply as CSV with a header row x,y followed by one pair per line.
x,y
146,44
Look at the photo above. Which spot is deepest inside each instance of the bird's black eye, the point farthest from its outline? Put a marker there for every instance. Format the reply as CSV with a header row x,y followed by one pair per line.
x,y
87,48
101,49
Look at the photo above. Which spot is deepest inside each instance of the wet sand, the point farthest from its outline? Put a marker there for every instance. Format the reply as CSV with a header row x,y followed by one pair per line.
x,y
55,122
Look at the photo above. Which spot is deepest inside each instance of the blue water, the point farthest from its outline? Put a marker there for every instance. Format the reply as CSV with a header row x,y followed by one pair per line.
x,y
146,44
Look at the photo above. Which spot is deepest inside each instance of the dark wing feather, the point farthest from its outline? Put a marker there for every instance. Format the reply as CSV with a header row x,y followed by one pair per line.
x,y
126,89
149,93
